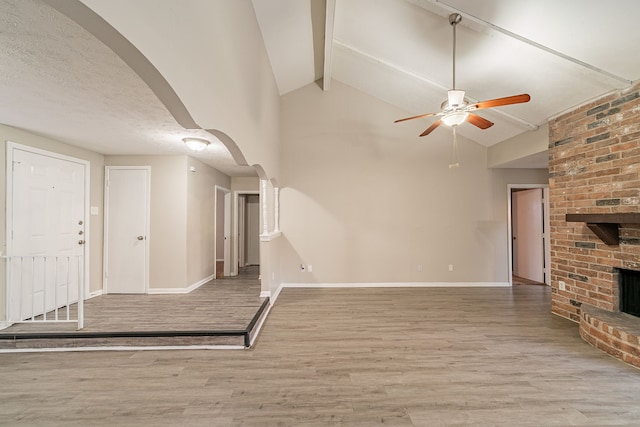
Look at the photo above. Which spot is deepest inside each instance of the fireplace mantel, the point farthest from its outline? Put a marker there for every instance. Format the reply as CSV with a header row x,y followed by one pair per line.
x,y
606,225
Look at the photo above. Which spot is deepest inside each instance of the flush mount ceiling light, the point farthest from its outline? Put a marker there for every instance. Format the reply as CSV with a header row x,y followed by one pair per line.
x,y
196,144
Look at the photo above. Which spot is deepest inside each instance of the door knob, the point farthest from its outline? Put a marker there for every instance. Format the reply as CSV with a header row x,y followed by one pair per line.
x,y
140,237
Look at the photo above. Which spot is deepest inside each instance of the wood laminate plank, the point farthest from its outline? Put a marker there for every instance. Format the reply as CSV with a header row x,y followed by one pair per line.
x,y
221,304
353,357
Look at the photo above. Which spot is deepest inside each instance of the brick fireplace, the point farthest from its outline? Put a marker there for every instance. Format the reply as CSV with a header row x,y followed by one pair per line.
x,y
594,168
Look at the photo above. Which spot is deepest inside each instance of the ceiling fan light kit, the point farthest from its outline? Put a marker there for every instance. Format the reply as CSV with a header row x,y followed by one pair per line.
x,y
456,110
456,118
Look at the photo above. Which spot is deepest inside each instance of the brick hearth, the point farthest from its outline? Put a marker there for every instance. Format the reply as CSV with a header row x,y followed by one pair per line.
x,y
614,333
594,168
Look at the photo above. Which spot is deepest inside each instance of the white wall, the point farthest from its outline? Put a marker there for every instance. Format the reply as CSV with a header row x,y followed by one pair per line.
x,y
366,200
96,197
220,43
524,145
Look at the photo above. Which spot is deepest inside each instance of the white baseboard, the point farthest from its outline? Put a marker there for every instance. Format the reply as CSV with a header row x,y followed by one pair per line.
x,y
94,294
391,285
265,294
5,325
187,290
276,294
258,327
399,285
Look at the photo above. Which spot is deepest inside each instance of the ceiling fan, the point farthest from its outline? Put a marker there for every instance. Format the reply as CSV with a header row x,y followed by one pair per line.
x,y
456,110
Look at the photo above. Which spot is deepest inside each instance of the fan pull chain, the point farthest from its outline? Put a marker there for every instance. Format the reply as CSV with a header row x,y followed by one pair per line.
x,y
454,150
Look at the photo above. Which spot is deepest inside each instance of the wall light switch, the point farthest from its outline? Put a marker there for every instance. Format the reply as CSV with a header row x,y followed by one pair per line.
x,y
450,267
562,286
309,268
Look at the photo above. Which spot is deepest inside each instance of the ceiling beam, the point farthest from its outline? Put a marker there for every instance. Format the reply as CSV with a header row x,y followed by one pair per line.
x,y
328,43
381,62
531,42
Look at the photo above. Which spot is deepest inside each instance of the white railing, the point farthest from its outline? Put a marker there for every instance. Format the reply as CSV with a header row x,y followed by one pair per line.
x,y
45,288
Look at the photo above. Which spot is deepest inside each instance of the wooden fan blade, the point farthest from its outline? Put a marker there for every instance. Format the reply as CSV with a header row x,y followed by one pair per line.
x,y
516,99
478,121
415,117
431,128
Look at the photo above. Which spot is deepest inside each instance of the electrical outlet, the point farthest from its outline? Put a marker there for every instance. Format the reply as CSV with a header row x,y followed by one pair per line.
x,y
419,267
450,267
562,286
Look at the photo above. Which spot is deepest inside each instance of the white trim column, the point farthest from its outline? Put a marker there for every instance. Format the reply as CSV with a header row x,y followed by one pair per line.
x,y
265,207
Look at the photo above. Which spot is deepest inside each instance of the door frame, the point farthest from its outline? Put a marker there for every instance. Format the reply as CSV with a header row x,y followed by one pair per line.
x,y
11,146
545,222
236,229
226,255
105,251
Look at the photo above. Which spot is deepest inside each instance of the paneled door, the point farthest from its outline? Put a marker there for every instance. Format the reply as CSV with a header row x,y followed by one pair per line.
x,y
126,262
46,223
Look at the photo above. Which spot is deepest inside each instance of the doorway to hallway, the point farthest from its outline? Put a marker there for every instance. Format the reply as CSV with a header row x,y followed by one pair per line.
x,y
529,249
246,230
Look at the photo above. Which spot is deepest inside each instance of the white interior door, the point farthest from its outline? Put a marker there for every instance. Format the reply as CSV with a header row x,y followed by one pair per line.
x,y
528,243
46,218
126,229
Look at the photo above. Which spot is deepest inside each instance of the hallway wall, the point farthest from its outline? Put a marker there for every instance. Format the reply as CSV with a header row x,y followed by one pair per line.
x,y
182,235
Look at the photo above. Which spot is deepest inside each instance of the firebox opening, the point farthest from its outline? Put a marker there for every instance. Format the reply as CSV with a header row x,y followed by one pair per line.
x,y
629,281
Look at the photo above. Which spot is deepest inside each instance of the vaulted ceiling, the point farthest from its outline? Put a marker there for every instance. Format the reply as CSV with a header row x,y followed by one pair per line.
x,y
563,53
56,79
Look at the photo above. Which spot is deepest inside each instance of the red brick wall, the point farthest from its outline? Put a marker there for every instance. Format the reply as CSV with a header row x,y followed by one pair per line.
x,y
594,167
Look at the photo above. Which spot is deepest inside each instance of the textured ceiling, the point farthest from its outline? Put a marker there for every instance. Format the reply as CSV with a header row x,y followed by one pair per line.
x,y
57,80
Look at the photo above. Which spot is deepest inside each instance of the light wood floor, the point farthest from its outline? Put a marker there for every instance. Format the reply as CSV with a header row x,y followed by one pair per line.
x,y
516,280
219,304
353,357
